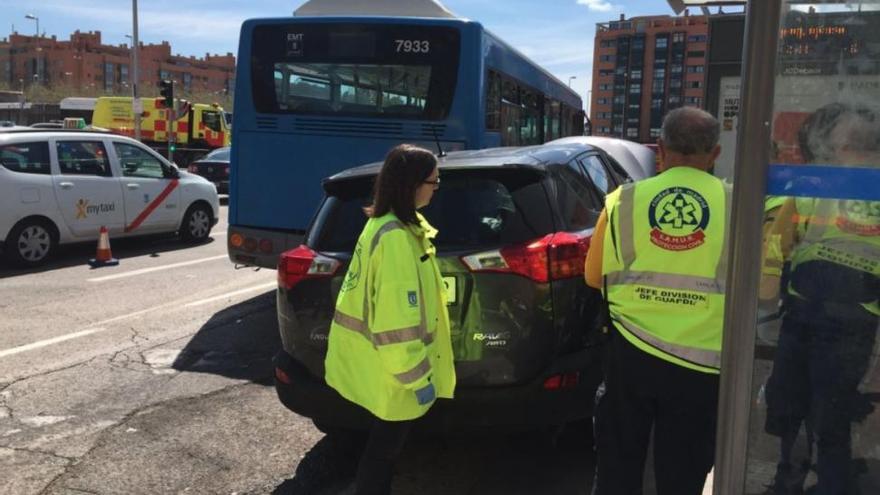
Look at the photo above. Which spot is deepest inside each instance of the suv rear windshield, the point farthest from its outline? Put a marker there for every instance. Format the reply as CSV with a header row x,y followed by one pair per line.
x,y
473,209
392,70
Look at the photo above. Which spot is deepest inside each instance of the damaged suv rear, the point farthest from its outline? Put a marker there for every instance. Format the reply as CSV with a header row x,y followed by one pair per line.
x,y
515,225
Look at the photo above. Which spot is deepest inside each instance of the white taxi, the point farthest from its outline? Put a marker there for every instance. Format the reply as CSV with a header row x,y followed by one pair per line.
x,y
60,187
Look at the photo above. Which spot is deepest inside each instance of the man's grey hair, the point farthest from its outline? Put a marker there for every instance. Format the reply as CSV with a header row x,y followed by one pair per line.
x,y
690,131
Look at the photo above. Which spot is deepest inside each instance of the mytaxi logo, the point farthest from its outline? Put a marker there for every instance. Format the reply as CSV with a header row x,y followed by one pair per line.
x,y
82,209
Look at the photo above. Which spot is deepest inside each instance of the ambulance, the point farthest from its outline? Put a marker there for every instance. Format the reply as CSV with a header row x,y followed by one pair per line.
x,y
61,186
194,126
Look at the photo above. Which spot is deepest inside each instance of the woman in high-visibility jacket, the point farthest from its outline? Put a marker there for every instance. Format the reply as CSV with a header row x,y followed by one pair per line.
x,y
390,349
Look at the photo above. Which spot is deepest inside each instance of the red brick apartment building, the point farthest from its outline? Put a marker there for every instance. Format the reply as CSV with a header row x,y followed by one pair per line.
x,y
85,65
642,68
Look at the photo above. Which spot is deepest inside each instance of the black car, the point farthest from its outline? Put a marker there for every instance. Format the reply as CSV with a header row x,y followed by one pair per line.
x,y
515,225
215,167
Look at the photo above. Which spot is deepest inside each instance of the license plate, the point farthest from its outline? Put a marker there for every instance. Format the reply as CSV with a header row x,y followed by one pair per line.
x,y
449,282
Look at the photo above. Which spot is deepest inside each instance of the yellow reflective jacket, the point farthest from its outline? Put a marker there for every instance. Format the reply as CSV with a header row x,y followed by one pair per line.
x,y
390,333
841,232
664,264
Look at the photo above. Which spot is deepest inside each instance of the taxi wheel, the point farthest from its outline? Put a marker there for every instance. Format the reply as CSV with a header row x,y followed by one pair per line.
x,y
196,224
31,242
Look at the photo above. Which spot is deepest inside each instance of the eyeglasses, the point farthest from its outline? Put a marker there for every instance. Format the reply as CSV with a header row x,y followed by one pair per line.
x,y
432,182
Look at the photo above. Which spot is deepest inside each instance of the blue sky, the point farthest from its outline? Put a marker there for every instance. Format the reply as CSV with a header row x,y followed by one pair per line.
x,y
558,34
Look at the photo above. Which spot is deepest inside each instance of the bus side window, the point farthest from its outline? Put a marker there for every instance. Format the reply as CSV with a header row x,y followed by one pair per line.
x,y
493,101
510,114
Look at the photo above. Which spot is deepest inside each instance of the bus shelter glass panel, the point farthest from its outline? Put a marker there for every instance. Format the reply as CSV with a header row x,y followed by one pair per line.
x,y
815,420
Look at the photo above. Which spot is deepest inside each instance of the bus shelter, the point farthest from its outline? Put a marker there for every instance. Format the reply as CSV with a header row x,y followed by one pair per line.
x,y
800,382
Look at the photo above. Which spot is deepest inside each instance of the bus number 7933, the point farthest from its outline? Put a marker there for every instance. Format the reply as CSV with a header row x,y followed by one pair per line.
x,y
413,46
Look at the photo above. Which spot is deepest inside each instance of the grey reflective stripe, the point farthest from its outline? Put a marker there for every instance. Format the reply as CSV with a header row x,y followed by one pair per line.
x,y
388,227
423,319
414,374
666,281
769,263
721,268
350,322
625,220
702,357
397,336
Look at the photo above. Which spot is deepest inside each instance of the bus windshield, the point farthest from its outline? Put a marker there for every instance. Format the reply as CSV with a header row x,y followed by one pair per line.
x,y
392,71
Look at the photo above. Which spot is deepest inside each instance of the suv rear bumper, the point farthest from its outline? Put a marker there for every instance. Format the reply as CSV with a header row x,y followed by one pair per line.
x,y
525,405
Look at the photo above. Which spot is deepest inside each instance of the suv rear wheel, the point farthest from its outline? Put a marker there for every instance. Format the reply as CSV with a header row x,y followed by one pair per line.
x,y
30,242
196,223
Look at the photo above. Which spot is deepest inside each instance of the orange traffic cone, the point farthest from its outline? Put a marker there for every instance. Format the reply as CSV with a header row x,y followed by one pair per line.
x,y
103,257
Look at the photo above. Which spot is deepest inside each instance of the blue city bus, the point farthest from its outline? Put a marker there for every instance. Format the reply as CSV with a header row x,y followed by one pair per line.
x,y
316,95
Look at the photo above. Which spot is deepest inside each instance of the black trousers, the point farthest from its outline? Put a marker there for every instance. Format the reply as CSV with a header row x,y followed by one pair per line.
x,y
376,467
643,392
820,361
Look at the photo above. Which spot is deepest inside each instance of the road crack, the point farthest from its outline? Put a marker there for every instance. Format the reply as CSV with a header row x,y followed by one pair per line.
x,y
67,459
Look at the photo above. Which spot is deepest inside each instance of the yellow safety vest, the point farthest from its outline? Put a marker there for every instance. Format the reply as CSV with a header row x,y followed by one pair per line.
x,y
390,333
842,232
665,265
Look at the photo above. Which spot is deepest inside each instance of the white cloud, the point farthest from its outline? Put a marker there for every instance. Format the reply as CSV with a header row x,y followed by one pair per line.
x,y
596,5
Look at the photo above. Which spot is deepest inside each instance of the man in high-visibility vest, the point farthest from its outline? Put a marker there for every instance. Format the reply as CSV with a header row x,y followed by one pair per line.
x,y
831,310
660,255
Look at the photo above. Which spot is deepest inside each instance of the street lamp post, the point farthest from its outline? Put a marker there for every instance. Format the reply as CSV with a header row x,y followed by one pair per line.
x,y
136,107
34,18
589,102
21,102
570,78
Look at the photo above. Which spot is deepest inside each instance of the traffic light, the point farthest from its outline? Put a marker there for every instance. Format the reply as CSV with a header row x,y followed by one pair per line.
x,y
166,90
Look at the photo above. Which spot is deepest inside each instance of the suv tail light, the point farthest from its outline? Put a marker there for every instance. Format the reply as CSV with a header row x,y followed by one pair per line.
x,y
301,263
552,257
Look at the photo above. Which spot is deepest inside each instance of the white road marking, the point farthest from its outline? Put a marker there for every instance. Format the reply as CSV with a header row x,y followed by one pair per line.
x,y
97,328
142,271
47,342
231,294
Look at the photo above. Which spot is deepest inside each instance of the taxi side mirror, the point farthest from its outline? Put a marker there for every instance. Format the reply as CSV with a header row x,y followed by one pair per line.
x,y
172,172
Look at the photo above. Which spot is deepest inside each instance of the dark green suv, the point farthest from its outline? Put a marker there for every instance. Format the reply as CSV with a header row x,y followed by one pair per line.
x,y
515,225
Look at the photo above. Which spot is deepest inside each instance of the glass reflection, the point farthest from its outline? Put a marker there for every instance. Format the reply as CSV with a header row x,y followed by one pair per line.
x,y
814,426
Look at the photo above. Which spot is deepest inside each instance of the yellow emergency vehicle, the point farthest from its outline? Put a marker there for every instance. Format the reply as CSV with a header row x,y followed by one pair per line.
x,y
198,126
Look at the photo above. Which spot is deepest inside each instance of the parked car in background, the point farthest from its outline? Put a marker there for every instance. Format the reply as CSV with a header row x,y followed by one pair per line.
x,y
62,186
215,167
639,160
514,227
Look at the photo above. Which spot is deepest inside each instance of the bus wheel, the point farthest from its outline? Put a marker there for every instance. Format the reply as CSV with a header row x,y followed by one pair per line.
x,y
31,242
196,224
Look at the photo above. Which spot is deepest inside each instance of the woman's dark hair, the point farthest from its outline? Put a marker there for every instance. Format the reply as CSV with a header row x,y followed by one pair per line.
x,y
406,168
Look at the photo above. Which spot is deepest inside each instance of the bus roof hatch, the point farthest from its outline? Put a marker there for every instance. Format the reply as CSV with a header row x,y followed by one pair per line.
x,y
397,8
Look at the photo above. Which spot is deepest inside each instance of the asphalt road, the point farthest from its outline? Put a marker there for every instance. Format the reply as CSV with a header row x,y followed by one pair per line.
x,y
154,376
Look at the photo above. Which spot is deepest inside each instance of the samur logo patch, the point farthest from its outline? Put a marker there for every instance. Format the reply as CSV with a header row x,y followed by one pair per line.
x,y
678,217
